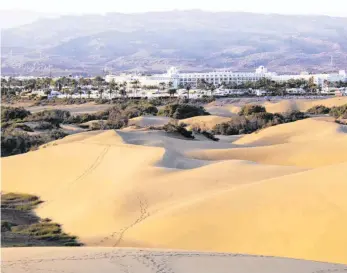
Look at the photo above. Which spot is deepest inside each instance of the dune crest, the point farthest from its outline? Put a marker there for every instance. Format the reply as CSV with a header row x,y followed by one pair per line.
x,y
279,192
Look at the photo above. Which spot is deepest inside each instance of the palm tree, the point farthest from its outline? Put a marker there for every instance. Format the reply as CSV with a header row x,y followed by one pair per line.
x,y
101,91
66,91
47,91
135,85
116,88
98,82
211,87
111,87
89,92
58,84
162,85
123,88
188,87
79,90
171,89
74,85
9,83
123,92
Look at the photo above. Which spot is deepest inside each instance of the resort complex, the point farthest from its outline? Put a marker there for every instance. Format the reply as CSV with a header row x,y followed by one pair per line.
x,y
219,83
220,77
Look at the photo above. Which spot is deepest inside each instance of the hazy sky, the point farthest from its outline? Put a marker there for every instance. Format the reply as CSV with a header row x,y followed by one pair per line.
x,y
326,7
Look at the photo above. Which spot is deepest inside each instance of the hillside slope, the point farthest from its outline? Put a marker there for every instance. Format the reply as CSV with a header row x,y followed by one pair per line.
x,y
192,40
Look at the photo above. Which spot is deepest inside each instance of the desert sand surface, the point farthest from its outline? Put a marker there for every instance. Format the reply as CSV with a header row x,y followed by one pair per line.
x,y
278,192
74,109
130,260
230,107
205,122
147,121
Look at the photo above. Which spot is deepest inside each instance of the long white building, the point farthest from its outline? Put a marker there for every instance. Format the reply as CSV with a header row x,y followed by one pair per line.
x,y
222,76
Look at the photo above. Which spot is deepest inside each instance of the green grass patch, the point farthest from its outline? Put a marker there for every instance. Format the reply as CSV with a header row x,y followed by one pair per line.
x,y
20,227
19,201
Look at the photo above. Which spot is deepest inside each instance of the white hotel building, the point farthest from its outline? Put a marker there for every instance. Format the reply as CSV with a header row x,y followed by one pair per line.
x,y
222,76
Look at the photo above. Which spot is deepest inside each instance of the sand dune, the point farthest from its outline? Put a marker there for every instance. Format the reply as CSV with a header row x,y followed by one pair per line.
x,y
232,107
279,192
204,122
307,143
147,121
118,260
302,105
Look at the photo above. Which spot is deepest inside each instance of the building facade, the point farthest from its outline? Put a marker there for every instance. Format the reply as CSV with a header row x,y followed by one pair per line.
x,y
221,77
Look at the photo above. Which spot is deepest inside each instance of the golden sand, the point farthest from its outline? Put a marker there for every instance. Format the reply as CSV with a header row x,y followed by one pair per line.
x,y
279,192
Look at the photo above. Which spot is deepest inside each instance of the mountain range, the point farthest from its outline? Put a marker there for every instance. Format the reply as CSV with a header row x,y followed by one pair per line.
x,y
192,40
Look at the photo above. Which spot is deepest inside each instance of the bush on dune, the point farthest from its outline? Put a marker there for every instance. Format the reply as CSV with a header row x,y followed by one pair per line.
x,y
81,118
182,111
13,113
179,129
339,112
293,116
44,125
54,116
20,223
13,143
318,110
250,109
254,118
236,126
20,126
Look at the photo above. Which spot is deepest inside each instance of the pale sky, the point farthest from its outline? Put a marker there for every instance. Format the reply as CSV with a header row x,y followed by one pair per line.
x,y
324,7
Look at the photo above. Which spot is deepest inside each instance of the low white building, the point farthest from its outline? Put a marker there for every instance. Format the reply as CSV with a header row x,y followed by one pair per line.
x,y
296,91
223,77
153,80
192,79
318,79
220,77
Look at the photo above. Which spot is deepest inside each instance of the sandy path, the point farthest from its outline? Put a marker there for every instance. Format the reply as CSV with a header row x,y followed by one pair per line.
x,y
73,109
128,260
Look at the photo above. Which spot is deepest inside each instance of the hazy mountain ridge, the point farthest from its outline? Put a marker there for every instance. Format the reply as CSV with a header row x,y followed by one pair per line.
x,y
192,40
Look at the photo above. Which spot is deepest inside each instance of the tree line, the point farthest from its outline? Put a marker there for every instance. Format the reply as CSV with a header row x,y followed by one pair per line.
x,y
71,86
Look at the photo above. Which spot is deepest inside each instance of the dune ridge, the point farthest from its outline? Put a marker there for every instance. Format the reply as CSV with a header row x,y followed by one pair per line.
x,y
231,109
278,192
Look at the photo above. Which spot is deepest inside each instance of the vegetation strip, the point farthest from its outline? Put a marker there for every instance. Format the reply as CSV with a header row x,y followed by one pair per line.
x,y
21,227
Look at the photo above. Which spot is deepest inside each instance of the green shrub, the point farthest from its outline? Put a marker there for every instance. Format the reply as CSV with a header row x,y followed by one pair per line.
x,y
19,201
339,112
209,135
236,126
56,134
54,116
175,128
44,125
97,125
13,142
255,121
20,126
27,227
182,111
13,113
250,109
294,116
38,229
318,110
6,226
82,118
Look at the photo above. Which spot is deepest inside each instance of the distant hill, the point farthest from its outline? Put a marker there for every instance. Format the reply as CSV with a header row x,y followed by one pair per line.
x,y
192,40
11,18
